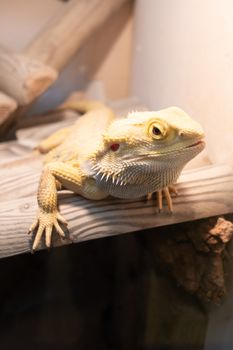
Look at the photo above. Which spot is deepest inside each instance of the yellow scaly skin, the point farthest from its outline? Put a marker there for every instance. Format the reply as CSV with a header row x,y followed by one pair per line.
x,y
126,158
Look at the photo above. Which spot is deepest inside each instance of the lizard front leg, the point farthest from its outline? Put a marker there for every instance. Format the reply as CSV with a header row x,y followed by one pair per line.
x,y
48,216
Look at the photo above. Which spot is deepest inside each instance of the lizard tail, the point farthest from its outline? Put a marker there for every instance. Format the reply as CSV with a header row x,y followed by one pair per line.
x,y
83,106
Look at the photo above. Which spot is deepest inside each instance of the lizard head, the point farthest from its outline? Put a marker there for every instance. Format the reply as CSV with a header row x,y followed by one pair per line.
x,y
146,142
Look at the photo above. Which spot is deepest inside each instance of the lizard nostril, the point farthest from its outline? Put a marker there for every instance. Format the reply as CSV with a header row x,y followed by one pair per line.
x,y
181,133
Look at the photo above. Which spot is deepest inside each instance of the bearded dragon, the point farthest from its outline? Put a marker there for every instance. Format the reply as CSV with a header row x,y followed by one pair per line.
x,y
101,155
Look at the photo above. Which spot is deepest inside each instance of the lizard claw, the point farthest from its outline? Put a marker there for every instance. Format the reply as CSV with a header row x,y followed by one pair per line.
x,y
166,192
33,226
61,219
46,222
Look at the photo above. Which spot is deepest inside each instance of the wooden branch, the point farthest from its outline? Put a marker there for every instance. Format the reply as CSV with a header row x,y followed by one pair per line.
x,y
7,106
203,193
57,44
36,68
24,78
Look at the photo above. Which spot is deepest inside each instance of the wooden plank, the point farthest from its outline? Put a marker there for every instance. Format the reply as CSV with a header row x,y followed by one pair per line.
x,y
20,178
203,192
11,151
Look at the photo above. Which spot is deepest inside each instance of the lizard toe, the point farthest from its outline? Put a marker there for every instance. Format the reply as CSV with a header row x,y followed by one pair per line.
x,y
38,236
59,230
33,226
61,219
165,192
48,236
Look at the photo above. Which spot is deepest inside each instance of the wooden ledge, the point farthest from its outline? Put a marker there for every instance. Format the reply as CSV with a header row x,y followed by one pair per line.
x,y
203,193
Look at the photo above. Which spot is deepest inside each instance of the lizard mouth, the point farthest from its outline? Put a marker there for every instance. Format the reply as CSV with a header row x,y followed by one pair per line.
x,y
197,144
200,142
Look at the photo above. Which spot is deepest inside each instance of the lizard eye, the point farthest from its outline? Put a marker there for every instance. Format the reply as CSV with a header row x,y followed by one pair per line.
x,y
157,130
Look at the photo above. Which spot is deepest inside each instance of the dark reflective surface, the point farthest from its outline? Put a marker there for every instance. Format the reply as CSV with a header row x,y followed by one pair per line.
x,y
102,294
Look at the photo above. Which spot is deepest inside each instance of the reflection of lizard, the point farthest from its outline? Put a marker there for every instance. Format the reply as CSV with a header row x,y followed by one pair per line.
x,y
126,158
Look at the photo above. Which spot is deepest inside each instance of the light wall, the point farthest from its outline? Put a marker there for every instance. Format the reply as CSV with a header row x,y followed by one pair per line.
x,y
184,56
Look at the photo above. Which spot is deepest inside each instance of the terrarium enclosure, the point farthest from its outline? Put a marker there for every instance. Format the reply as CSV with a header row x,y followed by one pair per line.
x,y
154,280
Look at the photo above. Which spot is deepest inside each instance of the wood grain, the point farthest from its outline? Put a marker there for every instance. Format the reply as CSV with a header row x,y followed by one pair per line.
x,y
203,192
7,106
11,151
24,78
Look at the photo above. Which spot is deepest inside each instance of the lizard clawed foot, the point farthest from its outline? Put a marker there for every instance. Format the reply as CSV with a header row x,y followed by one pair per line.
x,y
166,192
167,195
45,223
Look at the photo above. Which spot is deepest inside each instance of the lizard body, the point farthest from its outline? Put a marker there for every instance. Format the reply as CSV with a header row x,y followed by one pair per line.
x,y
126,158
